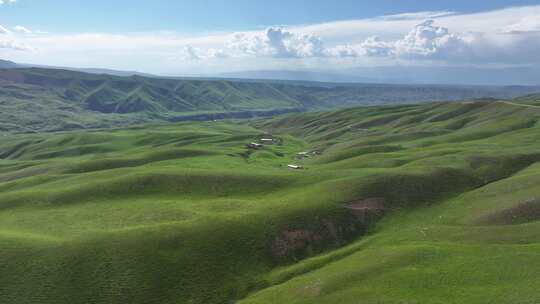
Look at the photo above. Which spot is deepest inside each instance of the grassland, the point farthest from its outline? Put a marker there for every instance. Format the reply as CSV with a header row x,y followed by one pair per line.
x,y
185,213
38,100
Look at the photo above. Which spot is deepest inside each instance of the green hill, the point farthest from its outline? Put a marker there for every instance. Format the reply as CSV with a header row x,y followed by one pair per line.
x,y
432,203
37,99
532,99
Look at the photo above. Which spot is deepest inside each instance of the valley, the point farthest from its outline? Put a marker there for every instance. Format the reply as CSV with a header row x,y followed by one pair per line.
x,y
48,100
270,152
422,203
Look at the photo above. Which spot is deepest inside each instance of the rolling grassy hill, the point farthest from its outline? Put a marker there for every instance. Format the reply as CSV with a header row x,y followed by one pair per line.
x,y
531,99
38,99
432,203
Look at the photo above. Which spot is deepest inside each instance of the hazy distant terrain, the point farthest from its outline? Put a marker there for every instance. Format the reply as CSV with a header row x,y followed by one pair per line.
x,y
40,99
5,64
406,75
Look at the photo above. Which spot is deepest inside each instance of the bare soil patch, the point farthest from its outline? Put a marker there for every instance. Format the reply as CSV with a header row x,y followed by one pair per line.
x,y
374,204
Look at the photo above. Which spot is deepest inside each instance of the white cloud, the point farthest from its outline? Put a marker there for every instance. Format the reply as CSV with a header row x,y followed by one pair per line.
x,y
9,41
376,47
424,41
371,47
428,41
13,45
528,24
7,1
446,38
416,16
22,30
190,53
4,31
278,43
218,54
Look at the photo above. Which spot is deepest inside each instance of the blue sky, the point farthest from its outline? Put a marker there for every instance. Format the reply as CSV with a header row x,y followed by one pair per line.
x,y
211,37
216,15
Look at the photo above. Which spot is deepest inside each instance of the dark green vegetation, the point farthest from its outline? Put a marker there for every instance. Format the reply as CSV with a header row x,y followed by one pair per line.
x,y
58,100
184,213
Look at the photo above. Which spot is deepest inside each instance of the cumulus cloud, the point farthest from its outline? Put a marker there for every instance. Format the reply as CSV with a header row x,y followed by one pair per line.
x,y
376,47
371,47
505,37
218,54
190,53
278,43
342,51
8,40
427,40
424,41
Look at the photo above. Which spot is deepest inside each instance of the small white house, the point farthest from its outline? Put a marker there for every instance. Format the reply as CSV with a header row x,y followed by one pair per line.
x,y
267,140
254,145
302,155
295,167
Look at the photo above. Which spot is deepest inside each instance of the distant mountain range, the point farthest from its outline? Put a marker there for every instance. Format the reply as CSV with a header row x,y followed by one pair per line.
x,y
405,75
299,76
37,99
5,64
412,75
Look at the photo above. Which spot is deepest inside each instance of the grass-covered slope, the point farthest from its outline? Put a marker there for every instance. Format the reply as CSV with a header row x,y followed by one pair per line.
x,y
531,99
36,99
432,203
478,244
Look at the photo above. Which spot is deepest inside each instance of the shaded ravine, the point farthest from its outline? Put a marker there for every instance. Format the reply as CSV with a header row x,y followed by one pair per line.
x,y
234,115
363,240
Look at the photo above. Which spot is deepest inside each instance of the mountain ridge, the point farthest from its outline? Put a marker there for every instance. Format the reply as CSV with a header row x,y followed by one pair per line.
x,y
6,64
40,99
410,75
